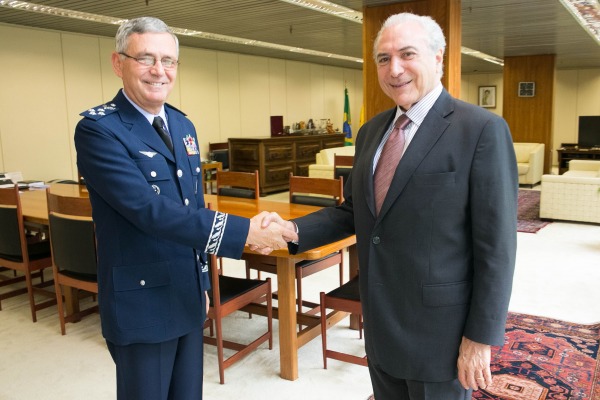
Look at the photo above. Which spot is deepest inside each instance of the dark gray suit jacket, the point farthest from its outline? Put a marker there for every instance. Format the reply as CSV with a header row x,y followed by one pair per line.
x,y
437,262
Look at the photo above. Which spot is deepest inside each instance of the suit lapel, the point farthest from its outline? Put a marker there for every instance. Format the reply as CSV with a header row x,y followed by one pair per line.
x,y
425,138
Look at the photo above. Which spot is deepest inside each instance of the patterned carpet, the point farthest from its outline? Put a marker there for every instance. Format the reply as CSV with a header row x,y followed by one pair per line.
x,y
544,359
528,212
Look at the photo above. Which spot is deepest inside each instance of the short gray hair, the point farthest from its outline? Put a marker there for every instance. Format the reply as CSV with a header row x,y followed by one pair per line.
x,y
435,35
141,25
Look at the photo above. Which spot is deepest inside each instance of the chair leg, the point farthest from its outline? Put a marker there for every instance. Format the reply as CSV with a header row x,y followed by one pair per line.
x,y
220,349
30,294
59,303
324,329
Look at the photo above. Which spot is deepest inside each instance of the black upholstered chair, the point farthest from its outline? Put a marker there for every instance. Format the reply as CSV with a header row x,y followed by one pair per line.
x,y
73,254
238,184
345,298
342,166
227,295
21,253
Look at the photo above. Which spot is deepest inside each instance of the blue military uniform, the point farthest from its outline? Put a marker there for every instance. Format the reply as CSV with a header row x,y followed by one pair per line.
x,y
153,230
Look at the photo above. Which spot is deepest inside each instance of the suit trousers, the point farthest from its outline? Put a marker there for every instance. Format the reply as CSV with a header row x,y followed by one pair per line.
x,y
170,370
387,387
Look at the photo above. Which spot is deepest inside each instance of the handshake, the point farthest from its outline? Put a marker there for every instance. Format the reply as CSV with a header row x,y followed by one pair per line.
x,y
268,232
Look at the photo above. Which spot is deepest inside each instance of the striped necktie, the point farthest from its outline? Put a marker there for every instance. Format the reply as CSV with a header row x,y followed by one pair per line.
x,y
389,159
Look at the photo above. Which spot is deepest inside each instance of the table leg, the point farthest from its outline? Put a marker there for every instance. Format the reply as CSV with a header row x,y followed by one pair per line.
x,y
288,339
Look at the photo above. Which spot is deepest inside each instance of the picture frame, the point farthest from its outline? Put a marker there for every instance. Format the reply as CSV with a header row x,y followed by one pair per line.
x,y
526,89
487,96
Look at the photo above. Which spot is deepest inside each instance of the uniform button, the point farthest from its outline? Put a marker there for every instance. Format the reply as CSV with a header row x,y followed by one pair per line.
x,y
142,283
197,257
179,173
186,202
197,169
376,240
153,174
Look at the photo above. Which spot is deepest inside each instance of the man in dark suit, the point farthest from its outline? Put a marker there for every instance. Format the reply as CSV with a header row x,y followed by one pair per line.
x,y
153,230
437,251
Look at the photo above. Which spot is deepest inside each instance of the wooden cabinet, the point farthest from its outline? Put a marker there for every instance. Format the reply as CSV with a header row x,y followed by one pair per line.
x,y
276,157
570,152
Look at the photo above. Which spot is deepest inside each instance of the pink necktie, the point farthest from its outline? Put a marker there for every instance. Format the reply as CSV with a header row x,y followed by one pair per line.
x,y
389,159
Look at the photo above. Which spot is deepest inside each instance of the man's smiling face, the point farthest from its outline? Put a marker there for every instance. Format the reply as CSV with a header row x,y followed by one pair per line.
x,y
406,66
148,87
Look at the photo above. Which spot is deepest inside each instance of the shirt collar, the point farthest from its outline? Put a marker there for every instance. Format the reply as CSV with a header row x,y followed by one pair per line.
x,y
146,114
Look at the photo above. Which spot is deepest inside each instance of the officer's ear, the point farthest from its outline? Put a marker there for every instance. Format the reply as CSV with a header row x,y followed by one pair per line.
x,y
117,64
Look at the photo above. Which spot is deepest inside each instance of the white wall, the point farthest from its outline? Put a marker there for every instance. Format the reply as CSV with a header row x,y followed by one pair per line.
x,y
52,76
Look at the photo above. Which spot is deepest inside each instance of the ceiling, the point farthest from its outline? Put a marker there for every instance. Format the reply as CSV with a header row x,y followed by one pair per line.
x,y
496,27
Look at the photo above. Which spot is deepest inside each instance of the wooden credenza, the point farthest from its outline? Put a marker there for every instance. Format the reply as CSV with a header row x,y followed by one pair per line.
x,y
276,157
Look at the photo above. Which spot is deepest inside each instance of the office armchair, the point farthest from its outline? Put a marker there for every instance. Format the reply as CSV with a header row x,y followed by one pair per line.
x,y
74,258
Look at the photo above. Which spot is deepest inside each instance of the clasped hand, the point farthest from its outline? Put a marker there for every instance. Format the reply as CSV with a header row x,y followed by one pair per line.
x,y
268,232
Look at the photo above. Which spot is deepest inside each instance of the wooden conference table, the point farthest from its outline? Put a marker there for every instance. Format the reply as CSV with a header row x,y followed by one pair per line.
x,y
35,211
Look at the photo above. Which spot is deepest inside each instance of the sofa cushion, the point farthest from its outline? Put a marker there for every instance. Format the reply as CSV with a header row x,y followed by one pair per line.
x,y
326,156
522,151
523,168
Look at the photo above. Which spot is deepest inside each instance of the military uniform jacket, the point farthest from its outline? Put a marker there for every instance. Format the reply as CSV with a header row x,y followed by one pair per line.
x,y
437,262
152,228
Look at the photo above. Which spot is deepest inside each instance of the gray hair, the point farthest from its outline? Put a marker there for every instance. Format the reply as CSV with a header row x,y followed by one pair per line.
x,y
435,35
141,25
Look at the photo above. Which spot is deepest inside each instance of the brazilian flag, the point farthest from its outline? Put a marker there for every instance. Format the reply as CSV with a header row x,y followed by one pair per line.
x,y
347,120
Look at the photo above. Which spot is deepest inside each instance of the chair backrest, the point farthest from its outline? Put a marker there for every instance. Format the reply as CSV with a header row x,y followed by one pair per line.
x,y
220,152
238,184
303,189
342,165
13,245
72,236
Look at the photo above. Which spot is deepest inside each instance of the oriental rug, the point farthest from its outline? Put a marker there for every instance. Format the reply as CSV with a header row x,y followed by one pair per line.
x,y
528,212
544,359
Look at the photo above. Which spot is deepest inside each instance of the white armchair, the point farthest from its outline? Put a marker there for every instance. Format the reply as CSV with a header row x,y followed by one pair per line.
x,y
324,161
573,196
530,162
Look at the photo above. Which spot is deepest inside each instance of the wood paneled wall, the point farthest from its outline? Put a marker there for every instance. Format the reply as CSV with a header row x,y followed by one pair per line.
x,y
530,118
447,15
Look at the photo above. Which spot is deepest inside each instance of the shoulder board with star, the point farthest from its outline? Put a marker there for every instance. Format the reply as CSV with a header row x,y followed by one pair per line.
x,y
98,112
175,109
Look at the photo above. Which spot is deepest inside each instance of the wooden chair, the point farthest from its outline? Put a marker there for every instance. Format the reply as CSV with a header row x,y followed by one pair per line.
x,y
345,298
342,166
74,260
303,191
220,152
238,184
23,253
227,295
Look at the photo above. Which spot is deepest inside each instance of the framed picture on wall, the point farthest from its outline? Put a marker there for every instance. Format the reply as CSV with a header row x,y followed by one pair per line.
x,y
487,96
526,89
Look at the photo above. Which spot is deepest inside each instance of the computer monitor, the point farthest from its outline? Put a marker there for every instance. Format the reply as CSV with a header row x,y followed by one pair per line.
x,y
589,131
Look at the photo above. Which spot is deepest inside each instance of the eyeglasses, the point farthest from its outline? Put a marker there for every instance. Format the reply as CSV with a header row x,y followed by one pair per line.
x,y
149,61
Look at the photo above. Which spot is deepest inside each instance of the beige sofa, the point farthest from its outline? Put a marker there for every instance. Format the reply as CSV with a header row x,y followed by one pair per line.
x,y
530,162
323,168
573,196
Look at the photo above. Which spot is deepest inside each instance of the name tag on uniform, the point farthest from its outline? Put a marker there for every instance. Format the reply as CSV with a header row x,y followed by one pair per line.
x,y
190,145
